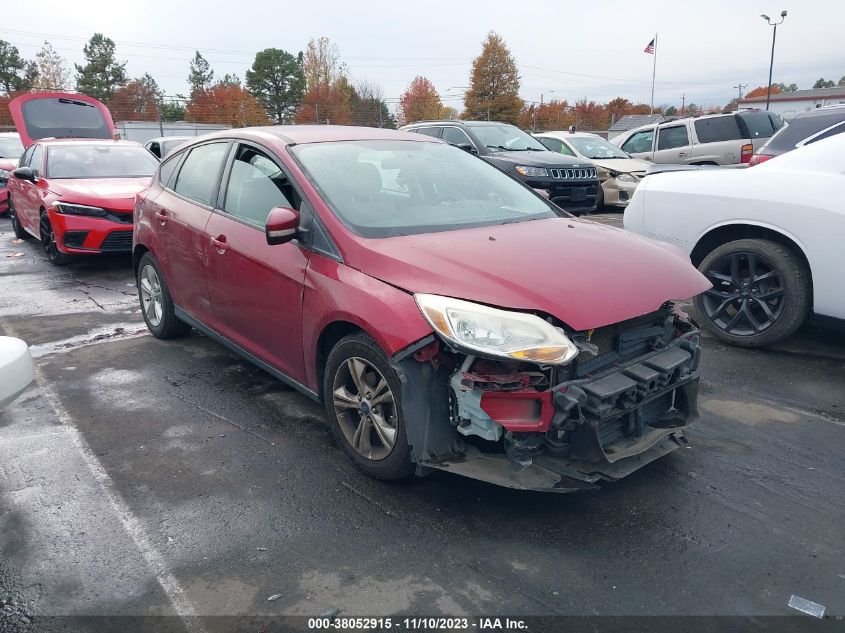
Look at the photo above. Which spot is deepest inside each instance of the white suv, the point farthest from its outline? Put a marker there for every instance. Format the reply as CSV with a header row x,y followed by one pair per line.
x,y
718,139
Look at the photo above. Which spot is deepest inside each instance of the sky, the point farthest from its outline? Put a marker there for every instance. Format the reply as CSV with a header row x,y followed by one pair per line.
x,y
564,49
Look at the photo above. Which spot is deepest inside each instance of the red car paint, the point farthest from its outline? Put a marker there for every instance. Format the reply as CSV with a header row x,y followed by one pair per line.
x,y
586,274
275,302
32,200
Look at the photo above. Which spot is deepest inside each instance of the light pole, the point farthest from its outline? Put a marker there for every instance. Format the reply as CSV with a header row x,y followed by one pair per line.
x,y
772,60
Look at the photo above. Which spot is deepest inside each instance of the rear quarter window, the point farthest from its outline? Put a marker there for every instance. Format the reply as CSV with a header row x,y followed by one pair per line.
x,y
759,124
723,128
167,169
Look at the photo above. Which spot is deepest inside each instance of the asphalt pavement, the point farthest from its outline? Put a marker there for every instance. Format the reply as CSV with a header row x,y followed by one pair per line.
x,y
146,477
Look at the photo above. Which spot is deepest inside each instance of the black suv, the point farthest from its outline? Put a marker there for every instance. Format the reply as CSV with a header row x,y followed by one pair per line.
x,y
571,183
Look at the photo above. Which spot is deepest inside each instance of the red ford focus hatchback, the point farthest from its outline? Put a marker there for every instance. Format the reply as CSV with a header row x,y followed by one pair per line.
x,y
446,315
75,187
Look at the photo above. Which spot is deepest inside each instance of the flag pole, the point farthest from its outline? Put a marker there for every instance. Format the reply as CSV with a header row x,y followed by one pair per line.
x,y
653,74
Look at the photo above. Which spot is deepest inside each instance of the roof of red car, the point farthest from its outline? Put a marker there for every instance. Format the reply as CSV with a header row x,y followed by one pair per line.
x,y
322,133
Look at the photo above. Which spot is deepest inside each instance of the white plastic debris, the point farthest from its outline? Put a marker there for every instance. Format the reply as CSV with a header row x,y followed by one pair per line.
x,y
806,606
274,597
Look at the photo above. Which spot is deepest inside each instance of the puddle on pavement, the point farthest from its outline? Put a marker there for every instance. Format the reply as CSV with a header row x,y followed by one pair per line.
x,y
750,413
118,332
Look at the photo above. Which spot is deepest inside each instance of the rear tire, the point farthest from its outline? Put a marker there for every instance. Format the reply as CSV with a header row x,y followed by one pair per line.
x,y
156,303
761,292
20,232
362,397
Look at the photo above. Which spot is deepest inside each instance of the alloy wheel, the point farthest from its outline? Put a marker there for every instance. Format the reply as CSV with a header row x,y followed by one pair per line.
x,y
151,296
748,294
365,408
48,239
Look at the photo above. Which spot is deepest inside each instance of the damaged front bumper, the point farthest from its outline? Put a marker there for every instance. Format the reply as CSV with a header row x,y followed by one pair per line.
x,y
569,436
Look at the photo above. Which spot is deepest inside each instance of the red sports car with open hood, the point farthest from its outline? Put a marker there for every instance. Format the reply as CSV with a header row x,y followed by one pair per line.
x,y
75,186
446,315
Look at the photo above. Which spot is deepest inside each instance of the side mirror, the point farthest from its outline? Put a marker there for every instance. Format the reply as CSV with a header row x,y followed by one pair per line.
x,y
468,147
24,173
281,226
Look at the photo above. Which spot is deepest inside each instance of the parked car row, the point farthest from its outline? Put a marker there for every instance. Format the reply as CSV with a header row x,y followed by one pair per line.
x,y
436,299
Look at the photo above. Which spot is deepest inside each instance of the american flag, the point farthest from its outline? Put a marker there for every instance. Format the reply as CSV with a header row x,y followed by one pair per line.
x,y
650,48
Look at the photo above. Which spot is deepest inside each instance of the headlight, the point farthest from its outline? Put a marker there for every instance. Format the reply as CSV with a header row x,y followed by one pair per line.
x,y
493,332
532,172
4,174
626,178
78,209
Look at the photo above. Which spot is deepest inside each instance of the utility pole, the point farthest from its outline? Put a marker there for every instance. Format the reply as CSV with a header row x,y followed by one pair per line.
x,y
740,87
317,113
683,102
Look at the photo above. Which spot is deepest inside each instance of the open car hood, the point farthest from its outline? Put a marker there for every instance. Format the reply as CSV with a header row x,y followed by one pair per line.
x,y
41,115
587,275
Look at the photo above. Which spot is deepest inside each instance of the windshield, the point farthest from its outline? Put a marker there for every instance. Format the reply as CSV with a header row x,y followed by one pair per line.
x,y
10,147
390,188
99,161
595,147
501,137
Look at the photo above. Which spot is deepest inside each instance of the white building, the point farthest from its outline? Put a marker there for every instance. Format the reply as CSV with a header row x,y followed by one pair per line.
x,y
788,104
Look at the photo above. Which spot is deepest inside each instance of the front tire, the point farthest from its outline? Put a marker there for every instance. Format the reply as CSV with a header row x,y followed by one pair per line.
x,y
361,394
760,294
20,232
156,303
48,241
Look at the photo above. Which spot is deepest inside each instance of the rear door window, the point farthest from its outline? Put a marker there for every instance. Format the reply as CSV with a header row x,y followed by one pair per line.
x,y
430,131
672,137
639,142
717,129
200,174
455,136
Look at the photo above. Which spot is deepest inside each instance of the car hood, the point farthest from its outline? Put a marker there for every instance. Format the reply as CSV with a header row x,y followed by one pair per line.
x,y
112,193
587,275
540,159
624,165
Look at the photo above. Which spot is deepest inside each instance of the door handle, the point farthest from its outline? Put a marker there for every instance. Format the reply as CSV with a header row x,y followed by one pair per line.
x,y
682,153
219,243
162,216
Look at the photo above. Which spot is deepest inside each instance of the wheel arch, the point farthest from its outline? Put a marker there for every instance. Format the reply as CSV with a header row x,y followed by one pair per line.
x,y
330,336
725,233
137,254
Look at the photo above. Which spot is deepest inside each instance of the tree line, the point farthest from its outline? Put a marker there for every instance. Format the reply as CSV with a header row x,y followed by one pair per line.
x,y
313,87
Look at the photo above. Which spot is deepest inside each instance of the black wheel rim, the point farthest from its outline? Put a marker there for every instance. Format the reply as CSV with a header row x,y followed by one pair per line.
x,y
748,294
47,238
